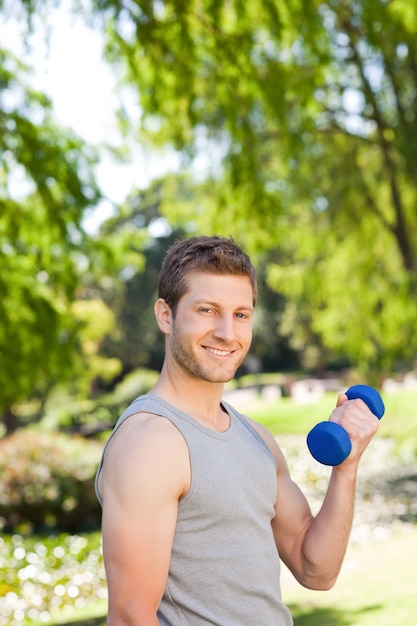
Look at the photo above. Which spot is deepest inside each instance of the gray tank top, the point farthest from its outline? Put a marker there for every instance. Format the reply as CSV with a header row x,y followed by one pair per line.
x,y
225,567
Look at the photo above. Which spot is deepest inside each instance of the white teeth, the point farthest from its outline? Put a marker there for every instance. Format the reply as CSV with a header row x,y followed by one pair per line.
x,y
218,352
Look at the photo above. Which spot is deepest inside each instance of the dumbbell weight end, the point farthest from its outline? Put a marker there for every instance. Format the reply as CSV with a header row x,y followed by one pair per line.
x,y
329,443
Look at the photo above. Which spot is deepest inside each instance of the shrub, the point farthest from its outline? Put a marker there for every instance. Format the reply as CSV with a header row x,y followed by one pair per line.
x,y
47,482
95,414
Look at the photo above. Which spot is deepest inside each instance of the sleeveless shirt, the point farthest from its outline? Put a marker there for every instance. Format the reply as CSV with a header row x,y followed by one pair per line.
x,y
225,567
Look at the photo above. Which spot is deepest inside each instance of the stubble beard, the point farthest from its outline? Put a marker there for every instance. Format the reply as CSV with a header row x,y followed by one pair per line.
x,y
189,362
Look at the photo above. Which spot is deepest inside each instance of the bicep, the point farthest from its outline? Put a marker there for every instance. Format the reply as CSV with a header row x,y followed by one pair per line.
x,y
143,479
136,551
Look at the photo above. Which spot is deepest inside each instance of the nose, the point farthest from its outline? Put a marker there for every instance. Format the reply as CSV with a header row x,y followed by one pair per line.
x,y
225,328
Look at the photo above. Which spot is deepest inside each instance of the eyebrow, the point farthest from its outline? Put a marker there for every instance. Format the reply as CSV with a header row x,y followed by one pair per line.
x,y
213,303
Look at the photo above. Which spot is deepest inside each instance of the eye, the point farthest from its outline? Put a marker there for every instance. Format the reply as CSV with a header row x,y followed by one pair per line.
x,y
242,316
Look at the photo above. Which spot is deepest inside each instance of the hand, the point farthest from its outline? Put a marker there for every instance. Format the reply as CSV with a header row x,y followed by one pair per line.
x,y
358,421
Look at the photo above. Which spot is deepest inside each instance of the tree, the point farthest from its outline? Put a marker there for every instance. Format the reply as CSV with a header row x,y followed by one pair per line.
x,y
311,106
46,183
138,342
306,109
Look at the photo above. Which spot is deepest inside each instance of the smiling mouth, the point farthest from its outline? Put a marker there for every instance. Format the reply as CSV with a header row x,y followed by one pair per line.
x,y
217,352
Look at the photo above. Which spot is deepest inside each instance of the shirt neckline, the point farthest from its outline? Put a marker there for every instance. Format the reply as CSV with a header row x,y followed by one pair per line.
x,y
225,434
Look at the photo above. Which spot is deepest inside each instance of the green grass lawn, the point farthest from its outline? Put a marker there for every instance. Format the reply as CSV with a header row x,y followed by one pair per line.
x,y
377,587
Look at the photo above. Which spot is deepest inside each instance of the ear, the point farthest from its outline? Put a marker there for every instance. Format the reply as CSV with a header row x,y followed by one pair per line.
x,y
163,316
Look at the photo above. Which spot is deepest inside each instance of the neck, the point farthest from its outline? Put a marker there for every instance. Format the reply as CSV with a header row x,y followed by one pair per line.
x,y
196,397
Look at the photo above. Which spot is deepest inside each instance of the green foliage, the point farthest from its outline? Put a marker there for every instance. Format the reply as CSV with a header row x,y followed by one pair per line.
x,y
53,276
309,108
47,482
298,115
96,320
138,342
70,411
372,323
134,384
46,183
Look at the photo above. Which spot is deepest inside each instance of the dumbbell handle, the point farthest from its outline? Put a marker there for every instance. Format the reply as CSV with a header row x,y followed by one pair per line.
x,y
329,442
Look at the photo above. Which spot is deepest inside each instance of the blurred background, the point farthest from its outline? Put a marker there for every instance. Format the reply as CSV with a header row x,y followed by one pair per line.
x,y
128,124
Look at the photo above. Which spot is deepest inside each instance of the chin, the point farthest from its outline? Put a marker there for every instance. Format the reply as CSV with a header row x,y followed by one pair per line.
x,y
220,378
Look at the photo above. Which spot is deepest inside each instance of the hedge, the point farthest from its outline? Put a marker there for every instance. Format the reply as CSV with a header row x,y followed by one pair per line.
x,y
47,482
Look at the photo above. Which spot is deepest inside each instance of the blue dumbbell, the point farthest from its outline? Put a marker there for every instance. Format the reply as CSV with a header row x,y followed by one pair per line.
x,y
329,442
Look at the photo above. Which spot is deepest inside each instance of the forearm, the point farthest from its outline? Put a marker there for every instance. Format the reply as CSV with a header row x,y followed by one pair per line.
x,y
325,541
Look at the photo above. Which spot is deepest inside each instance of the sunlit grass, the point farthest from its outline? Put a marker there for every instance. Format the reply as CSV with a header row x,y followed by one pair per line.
x,y
376,588
285,416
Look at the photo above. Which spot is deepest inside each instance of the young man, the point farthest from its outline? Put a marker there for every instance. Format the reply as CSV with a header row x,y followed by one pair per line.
x,y
198,503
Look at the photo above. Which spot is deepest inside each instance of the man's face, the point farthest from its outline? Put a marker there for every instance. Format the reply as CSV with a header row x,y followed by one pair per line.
x,y
212,329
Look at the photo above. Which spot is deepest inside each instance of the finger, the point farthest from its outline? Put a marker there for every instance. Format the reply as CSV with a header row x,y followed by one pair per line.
x,y
341,398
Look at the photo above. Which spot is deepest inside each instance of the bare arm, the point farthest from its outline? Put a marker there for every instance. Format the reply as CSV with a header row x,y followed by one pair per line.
x,y
313,547
145,473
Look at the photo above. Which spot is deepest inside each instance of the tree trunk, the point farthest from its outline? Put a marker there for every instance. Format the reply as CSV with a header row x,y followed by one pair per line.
x,y
10,421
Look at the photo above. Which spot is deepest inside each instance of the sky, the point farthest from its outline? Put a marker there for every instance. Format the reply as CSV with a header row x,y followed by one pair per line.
x,y
71,71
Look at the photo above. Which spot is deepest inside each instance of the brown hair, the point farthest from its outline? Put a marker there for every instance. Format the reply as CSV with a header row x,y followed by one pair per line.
x,y
212,254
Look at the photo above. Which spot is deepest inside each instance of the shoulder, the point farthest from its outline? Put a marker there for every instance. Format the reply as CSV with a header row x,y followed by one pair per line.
x,y
145,446
145,434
